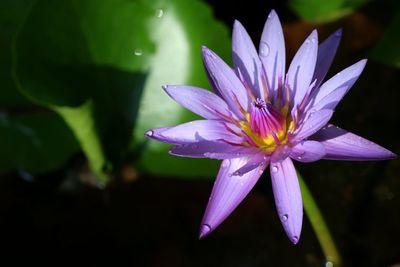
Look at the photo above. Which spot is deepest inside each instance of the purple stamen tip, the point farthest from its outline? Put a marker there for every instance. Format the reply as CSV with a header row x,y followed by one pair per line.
x,y
265,119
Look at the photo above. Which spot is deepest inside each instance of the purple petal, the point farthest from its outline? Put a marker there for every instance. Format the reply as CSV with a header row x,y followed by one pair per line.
x,y
246,59
200,101
308,151
344,79
196,131
343,145
211,149
326,53
254,162
289,205
226,83
272,52
315,121
228,192
301,69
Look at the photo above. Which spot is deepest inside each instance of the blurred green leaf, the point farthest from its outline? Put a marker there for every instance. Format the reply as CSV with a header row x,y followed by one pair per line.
x,y
387,50
324,11
12,13
114,53
179,34
29,136
32,142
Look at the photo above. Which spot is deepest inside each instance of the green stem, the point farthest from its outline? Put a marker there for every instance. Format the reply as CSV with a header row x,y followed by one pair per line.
x,y
80,120
318,223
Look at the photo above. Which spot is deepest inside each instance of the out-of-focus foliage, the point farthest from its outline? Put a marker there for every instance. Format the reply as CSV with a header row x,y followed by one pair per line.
x,y
324,11
37,142
100,64
387,50
33,139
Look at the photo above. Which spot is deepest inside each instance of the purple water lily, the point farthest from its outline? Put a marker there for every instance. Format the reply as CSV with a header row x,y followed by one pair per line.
x,y
259,116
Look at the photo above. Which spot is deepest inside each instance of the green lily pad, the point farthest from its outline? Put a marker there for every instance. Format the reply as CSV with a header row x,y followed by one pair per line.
x,y
117,54
324,11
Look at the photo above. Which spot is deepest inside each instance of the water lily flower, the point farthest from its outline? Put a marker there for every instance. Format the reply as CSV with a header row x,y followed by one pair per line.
x,y
260,117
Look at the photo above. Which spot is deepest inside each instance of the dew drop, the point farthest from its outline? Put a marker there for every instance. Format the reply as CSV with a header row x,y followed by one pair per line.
x,y
299,157
271,15
313,40
284,218
149,133
274,169
295,239
328,264
138,52
338,74
264,49
159,13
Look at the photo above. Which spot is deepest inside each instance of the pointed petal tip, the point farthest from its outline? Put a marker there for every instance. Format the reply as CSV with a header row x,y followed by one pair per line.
x,y
339,32
294,239
314,34
205,230
165,87
149,133
272,14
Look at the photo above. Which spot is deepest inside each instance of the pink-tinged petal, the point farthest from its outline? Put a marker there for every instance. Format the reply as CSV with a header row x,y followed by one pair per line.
x,y
254,162
308,151
342,145
226,83
326,53
211,149
228,192
200,101
196,131
289,205
301,70
246,59
272,52
312,124
345,78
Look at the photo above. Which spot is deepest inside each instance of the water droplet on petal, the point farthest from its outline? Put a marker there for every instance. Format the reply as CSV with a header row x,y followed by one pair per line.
x,y
138,52
338,73
284,218
299,157
295,239
313,40
264,49
328,264
271,15
149,133
159,13
307,41
274,169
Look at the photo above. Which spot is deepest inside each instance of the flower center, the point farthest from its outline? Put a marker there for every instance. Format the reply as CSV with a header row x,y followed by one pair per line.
x,y
266,126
